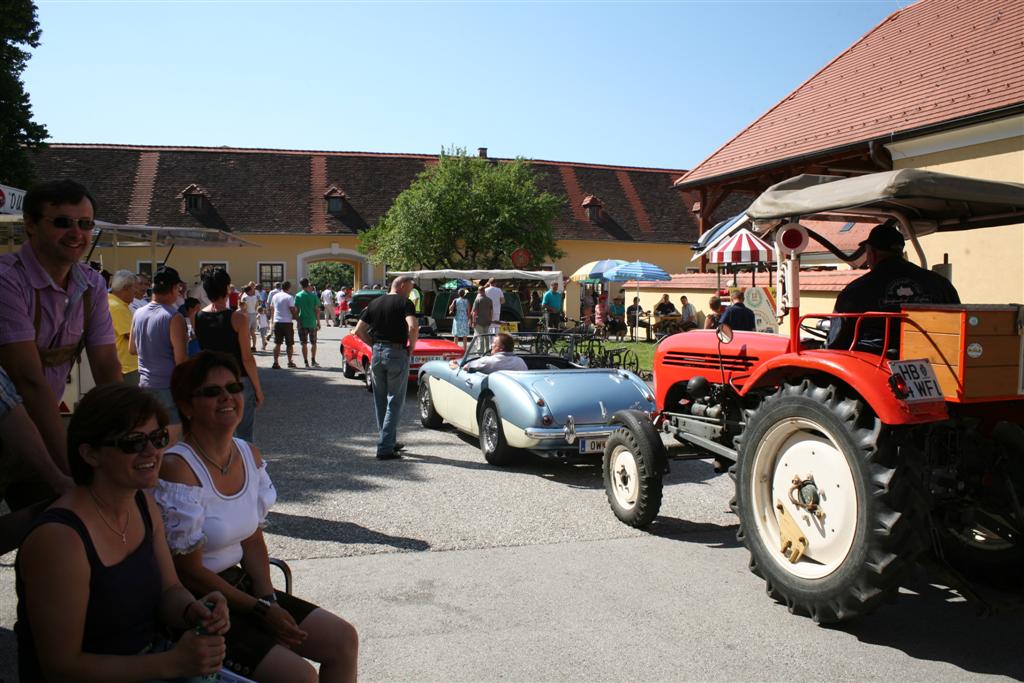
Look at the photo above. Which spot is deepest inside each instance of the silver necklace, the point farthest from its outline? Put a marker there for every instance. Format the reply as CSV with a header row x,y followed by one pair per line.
x,y
223,469
123,533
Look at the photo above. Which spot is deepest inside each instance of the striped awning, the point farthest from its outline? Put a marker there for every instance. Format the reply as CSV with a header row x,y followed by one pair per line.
x,y
743,247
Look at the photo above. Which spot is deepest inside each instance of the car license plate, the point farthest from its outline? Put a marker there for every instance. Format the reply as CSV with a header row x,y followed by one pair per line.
x,y
427,359
922,385
592,445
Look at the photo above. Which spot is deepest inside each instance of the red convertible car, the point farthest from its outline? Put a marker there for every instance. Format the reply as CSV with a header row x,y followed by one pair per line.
x,y
356,355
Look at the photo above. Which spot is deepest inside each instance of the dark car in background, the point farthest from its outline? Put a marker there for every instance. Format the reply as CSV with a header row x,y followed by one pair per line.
x,y
358,303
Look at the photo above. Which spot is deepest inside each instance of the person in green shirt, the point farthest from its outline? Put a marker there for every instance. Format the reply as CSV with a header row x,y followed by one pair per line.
x,y
308,305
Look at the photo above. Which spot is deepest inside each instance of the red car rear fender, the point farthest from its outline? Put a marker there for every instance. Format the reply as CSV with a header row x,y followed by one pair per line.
x,y
860,371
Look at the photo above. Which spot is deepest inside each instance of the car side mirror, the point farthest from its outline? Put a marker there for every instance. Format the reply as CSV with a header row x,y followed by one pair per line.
x,y
724,333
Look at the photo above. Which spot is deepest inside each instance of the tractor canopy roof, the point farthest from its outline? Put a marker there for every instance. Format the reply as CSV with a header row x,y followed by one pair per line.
x,y
931,202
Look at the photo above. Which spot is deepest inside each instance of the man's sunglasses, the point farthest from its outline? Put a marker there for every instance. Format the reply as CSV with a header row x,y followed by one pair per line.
x,y
214,390
65,222
135,442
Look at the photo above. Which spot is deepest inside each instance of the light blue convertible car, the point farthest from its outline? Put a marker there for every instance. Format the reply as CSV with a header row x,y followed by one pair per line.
x,y
554,408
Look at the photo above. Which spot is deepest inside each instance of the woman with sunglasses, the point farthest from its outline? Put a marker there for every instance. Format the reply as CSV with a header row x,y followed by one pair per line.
x,y
221,328
94,577
215,493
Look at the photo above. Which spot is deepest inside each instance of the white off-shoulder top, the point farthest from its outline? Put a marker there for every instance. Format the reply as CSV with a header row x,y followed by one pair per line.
x,y
202,517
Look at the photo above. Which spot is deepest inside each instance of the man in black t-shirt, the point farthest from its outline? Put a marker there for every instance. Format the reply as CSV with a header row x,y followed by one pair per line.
x,y
891,282
390,326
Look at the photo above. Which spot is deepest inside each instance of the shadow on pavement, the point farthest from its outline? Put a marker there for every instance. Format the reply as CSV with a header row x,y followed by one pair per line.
x,y
315,529
932,622
705,533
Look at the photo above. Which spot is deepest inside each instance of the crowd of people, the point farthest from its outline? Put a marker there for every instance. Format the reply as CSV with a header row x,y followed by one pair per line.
x,y
133,566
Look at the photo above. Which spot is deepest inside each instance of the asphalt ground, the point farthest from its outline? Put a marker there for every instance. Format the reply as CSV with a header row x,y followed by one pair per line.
x,y
453,570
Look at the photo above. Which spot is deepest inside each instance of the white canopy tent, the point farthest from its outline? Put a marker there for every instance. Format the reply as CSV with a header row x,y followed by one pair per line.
x,y
546,276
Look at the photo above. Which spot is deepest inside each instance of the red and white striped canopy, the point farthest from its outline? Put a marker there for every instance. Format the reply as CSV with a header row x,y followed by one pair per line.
x,y
743,247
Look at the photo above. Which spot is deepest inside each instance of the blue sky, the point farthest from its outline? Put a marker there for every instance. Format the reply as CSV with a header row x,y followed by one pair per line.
x,y
659,84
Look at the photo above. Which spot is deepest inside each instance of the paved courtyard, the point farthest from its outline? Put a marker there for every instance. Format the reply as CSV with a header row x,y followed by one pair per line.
x,y
455,570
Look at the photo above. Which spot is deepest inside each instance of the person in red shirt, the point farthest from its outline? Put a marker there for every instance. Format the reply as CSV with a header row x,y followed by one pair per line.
x,y
233,297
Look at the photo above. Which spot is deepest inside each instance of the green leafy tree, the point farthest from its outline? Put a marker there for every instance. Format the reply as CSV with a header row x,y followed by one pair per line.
x,y
466,212
19,30
330,272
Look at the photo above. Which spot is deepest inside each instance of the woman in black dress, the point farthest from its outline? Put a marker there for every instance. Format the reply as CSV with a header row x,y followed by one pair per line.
x,y
95,579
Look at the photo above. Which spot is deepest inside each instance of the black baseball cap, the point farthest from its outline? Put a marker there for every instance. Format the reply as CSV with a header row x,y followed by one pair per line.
x,y
166,276
886,237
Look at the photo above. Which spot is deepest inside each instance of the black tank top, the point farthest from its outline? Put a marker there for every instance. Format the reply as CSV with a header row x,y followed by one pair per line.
x,y
215,333
124,599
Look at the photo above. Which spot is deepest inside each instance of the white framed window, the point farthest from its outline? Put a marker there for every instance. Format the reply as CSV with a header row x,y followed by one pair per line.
x,y
206,266
269,272
144,268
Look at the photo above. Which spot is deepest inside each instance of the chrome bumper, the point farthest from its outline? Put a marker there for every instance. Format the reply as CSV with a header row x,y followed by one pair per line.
x,y
564,433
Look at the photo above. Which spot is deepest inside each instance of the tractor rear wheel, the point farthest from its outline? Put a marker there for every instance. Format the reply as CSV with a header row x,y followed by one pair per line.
x,y
823,507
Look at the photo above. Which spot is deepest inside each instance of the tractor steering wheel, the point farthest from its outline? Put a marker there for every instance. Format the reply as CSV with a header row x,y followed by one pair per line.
x,y
819,330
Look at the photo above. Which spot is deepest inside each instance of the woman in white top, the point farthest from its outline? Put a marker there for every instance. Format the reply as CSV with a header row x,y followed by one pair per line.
x,y
215,493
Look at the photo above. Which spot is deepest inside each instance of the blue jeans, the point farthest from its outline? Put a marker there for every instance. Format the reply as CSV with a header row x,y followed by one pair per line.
x,y
245,427
390,370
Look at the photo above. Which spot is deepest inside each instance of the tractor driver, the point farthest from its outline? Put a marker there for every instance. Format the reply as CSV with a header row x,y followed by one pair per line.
x,y
891,282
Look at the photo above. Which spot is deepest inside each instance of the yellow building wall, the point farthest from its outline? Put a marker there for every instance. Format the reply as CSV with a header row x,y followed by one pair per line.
x,y
294,251
297,251
988,263
810,302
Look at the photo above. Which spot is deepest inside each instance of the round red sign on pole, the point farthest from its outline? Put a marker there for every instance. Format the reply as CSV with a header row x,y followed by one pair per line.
x,y
520,258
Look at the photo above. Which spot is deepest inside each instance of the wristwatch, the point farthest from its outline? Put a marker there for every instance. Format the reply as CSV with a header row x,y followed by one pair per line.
x,y
261,607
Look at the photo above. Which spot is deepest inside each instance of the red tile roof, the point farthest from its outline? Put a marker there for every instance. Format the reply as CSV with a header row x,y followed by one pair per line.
x,y
282,191
935,61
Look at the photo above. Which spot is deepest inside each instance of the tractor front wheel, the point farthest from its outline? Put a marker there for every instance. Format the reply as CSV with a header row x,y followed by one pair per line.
x,y
634,463
823,508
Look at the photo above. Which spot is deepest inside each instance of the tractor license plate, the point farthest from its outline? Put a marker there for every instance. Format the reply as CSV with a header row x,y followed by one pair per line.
x,y
922,384
592,445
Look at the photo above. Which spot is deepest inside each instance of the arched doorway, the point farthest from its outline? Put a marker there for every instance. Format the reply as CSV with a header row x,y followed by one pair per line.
x,y
364,271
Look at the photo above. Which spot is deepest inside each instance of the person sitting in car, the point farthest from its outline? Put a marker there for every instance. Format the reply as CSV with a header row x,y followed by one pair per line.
x,y
500,358
891,282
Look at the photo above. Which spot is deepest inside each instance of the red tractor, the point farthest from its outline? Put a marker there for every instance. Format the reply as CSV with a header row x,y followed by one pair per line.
x,y
851,465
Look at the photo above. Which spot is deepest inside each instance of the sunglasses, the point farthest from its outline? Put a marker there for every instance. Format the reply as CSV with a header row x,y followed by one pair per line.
x,y
65,222
135,442
213,390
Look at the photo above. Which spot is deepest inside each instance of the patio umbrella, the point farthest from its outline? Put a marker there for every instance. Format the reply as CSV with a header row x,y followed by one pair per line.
x,y
640,271
595,270
743,247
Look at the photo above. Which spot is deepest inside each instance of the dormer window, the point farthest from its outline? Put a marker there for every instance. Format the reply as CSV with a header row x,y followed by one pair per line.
x,y
195,199
336,200
594,208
